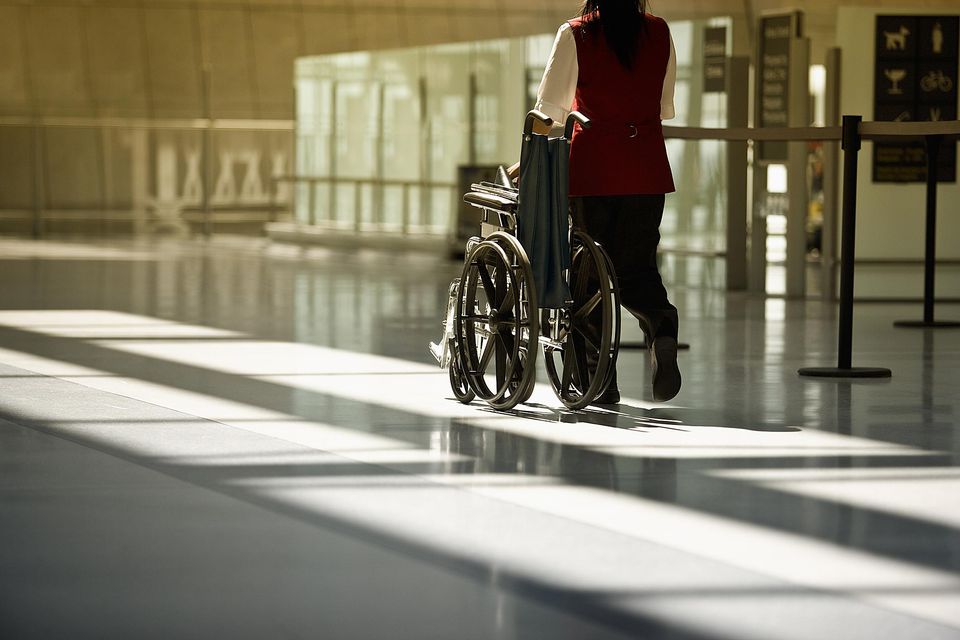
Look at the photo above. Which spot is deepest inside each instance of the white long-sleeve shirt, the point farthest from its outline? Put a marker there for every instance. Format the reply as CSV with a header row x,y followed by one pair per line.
x,y
558,86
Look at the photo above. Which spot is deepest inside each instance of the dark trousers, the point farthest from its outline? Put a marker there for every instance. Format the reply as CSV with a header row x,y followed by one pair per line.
x,y
628,228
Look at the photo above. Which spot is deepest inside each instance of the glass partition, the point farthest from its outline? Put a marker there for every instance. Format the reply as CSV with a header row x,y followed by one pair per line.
x,y
694,221
380,135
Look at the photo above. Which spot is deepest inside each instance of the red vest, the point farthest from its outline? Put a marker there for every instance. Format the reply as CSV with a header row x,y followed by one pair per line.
x,y
623,153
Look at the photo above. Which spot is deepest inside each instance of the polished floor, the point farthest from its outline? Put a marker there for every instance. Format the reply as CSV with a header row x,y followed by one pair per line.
x,y
237,440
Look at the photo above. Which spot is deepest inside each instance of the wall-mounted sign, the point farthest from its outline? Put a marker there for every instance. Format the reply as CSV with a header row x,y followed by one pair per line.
x,y
776,34
916,80
714,59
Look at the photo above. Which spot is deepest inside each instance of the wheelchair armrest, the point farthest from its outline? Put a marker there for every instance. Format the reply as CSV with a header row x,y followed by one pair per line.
x,y
489,201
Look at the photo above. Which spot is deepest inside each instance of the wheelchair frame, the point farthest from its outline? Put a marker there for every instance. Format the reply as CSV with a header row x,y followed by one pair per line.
x,y
493,319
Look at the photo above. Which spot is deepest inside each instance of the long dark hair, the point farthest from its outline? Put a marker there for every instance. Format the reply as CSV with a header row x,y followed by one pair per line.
x,y
623,25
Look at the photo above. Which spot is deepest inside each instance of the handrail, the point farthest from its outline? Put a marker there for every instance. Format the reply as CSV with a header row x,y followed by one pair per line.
x,y
357,184
238,124
385,182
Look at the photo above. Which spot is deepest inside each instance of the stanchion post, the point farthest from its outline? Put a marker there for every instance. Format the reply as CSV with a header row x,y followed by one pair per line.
x,y
930,259
930,255
850,144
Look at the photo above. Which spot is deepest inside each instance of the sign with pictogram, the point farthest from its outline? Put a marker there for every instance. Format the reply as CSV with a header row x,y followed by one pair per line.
x,y
915,80
714,59
777,32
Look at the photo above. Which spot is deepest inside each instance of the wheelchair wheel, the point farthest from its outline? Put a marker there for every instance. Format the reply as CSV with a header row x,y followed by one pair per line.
x,y
458,381
522,386
496,320
524,394
581,367
615,347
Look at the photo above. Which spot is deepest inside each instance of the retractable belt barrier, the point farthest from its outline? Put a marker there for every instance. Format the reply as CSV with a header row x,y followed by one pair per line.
x,y
851,135
866,131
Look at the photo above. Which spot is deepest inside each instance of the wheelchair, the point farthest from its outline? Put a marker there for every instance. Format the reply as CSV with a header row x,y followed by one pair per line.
x,y
494,329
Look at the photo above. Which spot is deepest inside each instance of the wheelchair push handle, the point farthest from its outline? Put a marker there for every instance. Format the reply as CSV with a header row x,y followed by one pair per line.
x,y
503,179
573,118
533,116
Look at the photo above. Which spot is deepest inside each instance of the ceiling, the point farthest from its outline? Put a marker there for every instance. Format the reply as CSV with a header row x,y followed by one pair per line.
x,y
158,58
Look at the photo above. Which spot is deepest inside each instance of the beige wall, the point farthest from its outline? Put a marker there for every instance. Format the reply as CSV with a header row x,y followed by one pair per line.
x,y
146,59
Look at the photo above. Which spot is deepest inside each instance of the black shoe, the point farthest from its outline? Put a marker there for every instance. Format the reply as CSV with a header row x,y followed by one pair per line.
x,y
666,374
610,396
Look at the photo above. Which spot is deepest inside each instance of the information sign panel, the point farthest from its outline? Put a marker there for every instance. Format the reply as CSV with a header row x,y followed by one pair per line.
x,y
714,59
773,69
915,80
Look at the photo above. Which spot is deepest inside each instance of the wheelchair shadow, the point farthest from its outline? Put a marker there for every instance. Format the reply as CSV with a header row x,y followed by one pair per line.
x,y
633,418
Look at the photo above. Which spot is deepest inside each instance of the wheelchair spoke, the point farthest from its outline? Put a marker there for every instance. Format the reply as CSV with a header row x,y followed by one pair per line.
x,y
589,336
583,369
588,307
488,350
509,301
568,365
508,342
488,286
579,284
501,363
582,281
477,318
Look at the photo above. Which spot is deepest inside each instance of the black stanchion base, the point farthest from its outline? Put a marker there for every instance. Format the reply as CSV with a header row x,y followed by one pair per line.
x,y
852,372
923,324
644,345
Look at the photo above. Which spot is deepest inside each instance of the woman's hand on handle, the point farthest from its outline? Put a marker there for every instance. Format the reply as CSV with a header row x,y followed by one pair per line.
x,y
513,171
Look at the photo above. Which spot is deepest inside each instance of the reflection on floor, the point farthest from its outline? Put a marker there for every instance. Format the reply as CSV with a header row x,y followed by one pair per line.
x,y
238,440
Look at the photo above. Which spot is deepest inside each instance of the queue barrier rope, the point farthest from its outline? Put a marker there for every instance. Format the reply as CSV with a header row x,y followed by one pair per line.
x,y
851,134
866,131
